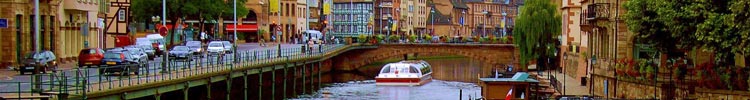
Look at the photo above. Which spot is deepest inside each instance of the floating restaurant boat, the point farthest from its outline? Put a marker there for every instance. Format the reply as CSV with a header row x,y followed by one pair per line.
x,y
410,72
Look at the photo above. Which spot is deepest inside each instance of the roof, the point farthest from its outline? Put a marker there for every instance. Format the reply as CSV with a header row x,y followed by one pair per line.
x,y
348,1
439,18
519,77
507,80
459,4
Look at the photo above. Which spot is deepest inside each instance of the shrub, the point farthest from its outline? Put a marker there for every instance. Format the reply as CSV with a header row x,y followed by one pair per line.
x,y
412,38
427,38
362,38
380,37
493,39
504,39
393,38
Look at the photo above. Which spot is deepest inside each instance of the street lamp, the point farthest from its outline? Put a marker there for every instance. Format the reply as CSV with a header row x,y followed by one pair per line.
x,y
432,12
463,13
484,26
505,24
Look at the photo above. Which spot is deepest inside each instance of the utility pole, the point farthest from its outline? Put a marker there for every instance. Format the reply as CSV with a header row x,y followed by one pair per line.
x,y
37,29
164,23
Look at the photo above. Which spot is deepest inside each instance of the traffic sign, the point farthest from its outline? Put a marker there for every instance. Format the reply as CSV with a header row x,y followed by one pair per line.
x,y
163,31
3,23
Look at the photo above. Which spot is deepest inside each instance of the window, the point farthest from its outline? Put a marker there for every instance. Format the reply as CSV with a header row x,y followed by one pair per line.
x,y
31,30
19,29
42,31
120,15
52,32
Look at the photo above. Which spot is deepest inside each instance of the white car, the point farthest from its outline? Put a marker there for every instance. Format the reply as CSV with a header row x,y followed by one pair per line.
x,y
216,47
227,46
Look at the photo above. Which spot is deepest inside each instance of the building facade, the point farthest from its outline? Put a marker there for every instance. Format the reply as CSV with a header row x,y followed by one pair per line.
x,y
61,24
606,40
384,15
350,18
492,17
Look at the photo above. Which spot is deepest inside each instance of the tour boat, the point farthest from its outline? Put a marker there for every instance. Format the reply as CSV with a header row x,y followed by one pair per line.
x,y
411,72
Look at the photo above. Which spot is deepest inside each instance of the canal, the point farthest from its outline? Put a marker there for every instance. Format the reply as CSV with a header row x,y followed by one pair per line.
x,y
454,77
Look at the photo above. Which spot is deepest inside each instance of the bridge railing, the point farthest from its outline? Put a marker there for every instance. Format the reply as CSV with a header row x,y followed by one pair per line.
x,y
80,81
433,40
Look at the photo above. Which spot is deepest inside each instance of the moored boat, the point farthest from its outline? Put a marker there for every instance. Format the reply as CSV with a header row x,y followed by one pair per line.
x,y
410,72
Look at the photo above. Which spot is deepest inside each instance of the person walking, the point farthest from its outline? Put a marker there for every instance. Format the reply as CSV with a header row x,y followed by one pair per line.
x,y
310,43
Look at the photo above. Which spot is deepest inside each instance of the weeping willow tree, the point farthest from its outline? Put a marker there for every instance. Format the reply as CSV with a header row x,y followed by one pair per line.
x,y
535,28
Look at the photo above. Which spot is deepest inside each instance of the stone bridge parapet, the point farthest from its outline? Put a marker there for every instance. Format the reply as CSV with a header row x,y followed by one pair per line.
x,y
493,54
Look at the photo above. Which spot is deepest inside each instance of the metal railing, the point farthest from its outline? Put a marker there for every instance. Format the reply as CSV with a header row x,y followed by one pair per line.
x,y
80,81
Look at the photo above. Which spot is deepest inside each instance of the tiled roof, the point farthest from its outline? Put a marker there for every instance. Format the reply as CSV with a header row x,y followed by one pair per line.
x,y
439,18
459,4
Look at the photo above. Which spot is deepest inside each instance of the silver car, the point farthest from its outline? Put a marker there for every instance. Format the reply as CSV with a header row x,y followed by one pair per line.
x,y
227,46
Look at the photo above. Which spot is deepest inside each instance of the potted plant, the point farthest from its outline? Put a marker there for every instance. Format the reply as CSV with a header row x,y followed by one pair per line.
x,y
393,38
380,37
504,40
427,38
362,38
413,38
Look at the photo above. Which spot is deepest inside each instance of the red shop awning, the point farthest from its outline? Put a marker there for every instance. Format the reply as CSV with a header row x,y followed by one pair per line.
x,y
243,28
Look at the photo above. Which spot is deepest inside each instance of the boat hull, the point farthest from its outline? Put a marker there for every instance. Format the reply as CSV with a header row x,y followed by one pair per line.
x,y
403,81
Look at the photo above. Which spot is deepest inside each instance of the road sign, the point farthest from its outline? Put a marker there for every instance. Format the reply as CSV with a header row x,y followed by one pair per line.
x,y
163,31
3,23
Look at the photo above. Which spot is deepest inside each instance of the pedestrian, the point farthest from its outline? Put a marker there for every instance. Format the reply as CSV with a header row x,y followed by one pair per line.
x,y
310,43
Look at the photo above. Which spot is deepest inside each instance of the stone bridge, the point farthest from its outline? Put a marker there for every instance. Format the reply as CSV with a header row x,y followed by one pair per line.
x,y
494,54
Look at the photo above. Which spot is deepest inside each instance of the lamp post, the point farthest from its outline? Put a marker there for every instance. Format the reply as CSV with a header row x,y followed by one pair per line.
x,y
463,13
432,12
505,23
484,25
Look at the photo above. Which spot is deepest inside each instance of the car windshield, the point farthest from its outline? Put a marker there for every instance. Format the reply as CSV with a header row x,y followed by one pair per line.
x,y
193,43
112,55
215,44
33,55
88,51
180,48
147,47
134,50
143,43
226,42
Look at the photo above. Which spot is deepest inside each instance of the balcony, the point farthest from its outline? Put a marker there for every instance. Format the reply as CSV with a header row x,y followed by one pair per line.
x,y
597,11
586,25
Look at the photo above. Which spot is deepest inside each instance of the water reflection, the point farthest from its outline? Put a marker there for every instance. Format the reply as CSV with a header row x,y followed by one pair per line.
x,y
452,76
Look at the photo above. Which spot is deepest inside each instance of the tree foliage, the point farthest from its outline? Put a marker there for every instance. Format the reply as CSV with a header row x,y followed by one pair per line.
x,y
674,25
535,28
201,10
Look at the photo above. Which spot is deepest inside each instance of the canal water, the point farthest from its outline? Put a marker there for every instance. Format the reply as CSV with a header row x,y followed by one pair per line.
x,y
454,78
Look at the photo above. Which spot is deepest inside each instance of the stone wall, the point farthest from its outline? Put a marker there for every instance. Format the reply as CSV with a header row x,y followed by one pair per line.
x,y
643,89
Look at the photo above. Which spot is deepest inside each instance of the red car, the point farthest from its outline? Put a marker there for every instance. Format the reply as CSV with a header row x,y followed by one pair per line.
x,y
90,57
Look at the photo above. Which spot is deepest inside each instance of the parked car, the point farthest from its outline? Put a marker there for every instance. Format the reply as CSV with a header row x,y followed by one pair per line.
x,y
181,53
150,51
121,61
155,45
196,47
227,46
36,62
90,57
216,48
140,54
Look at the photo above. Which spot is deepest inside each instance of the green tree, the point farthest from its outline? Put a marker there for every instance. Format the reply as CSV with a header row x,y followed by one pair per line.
x,y
533,42
677,25
142,10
